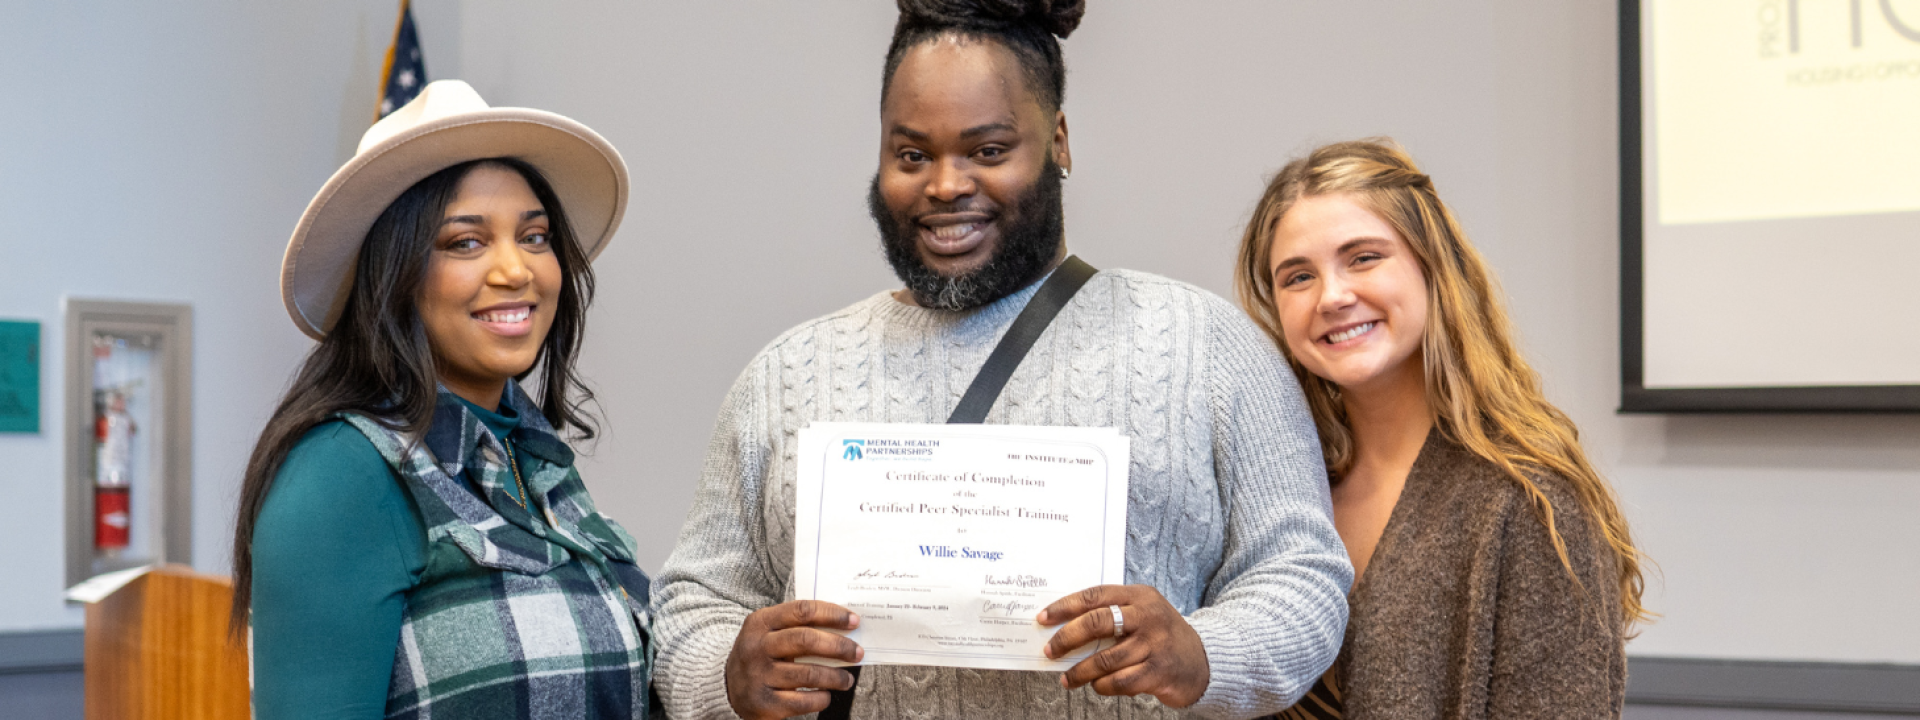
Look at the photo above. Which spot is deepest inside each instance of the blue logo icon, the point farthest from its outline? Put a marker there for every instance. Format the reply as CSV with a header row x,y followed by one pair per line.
x,y
853,449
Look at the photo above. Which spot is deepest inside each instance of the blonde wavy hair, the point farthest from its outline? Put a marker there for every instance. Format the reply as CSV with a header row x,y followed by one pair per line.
x,y
1483,395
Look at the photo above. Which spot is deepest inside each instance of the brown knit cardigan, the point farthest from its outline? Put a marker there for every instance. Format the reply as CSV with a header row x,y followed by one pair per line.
x,y
1466,612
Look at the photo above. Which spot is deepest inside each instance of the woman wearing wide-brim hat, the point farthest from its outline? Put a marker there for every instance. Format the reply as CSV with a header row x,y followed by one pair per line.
x,y
413,539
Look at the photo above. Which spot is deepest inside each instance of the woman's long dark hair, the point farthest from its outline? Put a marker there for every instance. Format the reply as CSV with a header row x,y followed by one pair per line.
x,y
376,360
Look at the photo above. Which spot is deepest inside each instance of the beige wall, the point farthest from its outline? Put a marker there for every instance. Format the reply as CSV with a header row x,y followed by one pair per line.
x,y
154,151
751,131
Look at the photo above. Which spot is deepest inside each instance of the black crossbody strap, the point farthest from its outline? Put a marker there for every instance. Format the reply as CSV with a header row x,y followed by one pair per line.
x,y
840,702
1025,331
1006,356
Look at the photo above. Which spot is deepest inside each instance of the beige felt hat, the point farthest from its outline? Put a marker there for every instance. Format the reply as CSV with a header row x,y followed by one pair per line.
x,y
447,124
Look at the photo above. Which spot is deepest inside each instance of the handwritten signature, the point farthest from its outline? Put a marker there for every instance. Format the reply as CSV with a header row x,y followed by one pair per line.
x,y
1007,609
1020,581
888,575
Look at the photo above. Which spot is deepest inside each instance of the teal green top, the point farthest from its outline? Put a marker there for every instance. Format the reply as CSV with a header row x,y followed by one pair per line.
x,y
337,547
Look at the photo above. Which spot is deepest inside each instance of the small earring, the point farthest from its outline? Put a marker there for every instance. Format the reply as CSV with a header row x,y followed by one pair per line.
x,y
1064,173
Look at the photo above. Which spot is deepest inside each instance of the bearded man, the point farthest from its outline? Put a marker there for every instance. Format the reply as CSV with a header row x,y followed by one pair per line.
x,y
1236,580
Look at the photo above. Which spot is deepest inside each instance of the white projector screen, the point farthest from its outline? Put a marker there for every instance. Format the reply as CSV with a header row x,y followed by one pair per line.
x,y
1770,154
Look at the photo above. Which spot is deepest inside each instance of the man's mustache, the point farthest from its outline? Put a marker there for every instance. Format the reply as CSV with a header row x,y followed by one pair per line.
x,y
983,207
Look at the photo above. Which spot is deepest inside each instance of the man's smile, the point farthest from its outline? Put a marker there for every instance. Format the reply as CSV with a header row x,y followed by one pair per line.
x,y
953,233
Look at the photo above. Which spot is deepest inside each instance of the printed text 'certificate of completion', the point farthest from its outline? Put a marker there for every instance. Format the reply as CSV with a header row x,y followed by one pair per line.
x,y
949,539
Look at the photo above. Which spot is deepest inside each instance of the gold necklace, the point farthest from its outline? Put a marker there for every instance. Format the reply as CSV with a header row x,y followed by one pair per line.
x,y
519,486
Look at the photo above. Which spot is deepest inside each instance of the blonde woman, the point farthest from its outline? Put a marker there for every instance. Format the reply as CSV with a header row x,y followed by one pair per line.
x,y
1494,573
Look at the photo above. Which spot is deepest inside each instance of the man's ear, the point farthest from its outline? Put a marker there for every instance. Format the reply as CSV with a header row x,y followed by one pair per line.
x,y
1062,155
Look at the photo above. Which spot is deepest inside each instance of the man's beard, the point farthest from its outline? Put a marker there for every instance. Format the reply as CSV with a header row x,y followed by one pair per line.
x,y
1030,236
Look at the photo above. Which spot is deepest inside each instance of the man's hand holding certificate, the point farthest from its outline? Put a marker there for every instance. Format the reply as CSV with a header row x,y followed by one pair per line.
x,y
949,540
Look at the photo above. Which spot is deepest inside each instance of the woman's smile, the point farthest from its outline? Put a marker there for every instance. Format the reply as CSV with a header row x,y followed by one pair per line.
x,y
1349,335
508,319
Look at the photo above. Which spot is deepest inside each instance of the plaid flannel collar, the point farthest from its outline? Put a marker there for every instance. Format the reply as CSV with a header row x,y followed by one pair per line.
x,y
457,437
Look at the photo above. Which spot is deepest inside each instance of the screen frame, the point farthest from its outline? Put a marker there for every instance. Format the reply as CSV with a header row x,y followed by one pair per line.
x,y
1635,396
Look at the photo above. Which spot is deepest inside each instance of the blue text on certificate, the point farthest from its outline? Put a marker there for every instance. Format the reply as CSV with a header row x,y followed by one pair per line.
x,y
964,553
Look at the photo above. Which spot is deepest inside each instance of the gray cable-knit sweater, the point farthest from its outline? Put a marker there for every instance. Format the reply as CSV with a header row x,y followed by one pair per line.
x,y
1228,513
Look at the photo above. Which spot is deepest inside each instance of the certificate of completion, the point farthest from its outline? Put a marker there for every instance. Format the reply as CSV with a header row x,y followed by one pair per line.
x,y
949,539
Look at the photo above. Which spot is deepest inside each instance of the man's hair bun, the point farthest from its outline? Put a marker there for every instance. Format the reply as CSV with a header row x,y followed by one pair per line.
x,y
1031,29
1058,18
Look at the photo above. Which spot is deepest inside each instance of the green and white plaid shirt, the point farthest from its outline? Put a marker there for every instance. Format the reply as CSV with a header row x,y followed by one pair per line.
x,y
522,611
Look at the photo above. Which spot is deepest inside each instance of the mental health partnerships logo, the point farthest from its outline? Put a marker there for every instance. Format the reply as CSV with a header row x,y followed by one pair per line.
x,y
888,449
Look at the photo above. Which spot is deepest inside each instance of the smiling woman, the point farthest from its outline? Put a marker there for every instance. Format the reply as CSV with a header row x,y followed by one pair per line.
x,y
412,535
493,281
1494,573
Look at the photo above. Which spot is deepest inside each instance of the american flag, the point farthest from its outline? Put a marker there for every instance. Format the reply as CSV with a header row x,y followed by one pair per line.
x,y
406,69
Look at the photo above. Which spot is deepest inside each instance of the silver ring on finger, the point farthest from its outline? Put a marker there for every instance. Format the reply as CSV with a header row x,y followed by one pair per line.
x,y
1119,622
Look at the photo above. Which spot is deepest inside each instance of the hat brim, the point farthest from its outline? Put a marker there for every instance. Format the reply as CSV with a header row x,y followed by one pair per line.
x,y
585,171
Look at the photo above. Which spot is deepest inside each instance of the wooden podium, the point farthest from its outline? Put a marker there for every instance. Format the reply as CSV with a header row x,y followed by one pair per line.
x,y
158,649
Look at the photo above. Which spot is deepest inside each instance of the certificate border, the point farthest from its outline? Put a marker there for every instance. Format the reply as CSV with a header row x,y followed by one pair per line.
x,y
1106,507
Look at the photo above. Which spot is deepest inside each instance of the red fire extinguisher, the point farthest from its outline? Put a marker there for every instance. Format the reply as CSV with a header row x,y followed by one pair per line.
x,y
112,512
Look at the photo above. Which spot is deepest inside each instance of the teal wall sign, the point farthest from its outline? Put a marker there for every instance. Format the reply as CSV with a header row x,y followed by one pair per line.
x,y
19,376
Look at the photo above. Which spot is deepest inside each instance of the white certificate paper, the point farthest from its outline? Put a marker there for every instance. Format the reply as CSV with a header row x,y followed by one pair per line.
x,y
949,539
